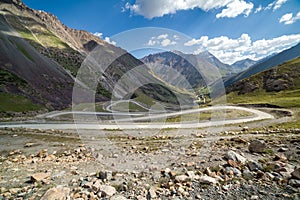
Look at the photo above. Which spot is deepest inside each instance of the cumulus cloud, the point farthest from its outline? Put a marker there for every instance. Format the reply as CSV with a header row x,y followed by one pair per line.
x,y
98,34
106,39
162,40
159,8
289,18
236,8
230,50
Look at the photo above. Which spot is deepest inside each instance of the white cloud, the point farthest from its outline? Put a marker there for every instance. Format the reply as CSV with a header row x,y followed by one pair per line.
x,y
159,8
107,39
98,34
235,8
163,40
163,36
289,18
275,5
230,50
258,9
278,4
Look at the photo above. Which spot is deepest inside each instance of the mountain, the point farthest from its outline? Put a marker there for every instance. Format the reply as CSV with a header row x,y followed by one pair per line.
x,y
210,58
278,86
205,63
181,70
40,58
266,64
244,64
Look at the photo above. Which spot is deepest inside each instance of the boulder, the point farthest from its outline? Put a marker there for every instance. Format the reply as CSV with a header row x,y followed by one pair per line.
x,y
39,176
207,180
107,191
231,155
56,194
296,173
257,146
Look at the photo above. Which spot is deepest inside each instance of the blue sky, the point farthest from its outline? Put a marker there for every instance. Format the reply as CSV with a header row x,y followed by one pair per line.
x,y
230,29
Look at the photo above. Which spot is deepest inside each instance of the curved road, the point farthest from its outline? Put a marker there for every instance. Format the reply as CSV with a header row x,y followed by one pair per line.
x,y
128,124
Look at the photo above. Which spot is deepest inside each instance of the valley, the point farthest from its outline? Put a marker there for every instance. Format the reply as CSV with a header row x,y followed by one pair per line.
x,y
83,118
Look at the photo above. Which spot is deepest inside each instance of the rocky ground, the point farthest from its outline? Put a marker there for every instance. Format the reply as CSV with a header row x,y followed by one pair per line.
x,y
244,164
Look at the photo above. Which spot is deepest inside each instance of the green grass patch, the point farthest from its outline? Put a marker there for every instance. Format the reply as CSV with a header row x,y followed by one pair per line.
x,y
25,53
16,103
286,99
208,115
8,77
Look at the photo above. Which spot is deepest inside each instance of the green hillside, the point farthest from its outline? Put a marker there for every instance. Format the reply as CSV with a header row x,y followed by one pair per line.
x,y
279,86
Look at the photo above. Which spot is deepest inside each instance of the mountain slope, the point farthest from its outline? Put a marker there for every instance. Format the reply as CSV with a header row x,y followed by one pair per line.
x,y
244,64
210,58
182,70
39,58
278,86
273,61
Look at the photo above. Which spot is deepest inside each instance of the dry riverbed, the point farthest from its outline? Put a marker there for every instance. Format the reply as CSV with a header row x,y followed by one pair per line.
x,y
240,164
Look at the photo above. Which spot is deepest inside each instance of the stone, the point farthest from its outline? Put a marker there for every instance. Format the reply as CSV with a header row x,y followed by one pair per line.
x,y
235,171
231,155
39,176
180,190
59,193
280,157
191,174
96,186
3,189
14,190
282,149
296,173
43,153
118,197
182,178
247,174
294,183
106,175
257,146
109,175
107,191
245,128
152,193
29,144
254,166
207,180
254,197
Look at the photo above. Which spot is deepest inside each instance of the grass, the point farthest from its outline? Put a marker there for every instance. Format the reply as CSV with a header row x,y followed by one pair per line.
x,y
25,53
89,107
8,77
209,115
16,103
289,98
285,99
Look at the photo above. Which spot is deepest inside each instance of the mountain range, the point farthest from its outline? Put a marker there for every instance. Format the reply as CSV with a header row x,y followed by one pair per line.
x,y
40,58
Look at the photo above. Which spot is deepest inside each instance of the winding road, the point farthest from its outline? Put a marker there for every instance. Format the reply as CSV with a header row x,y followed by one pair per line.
x,y
127,123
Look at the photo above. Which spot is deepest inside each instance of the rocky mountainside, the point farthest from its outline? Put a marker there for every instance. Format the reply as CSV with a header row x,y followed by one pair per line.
x,y
225,69
181,70
282,77
244,64
40,58
266,64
